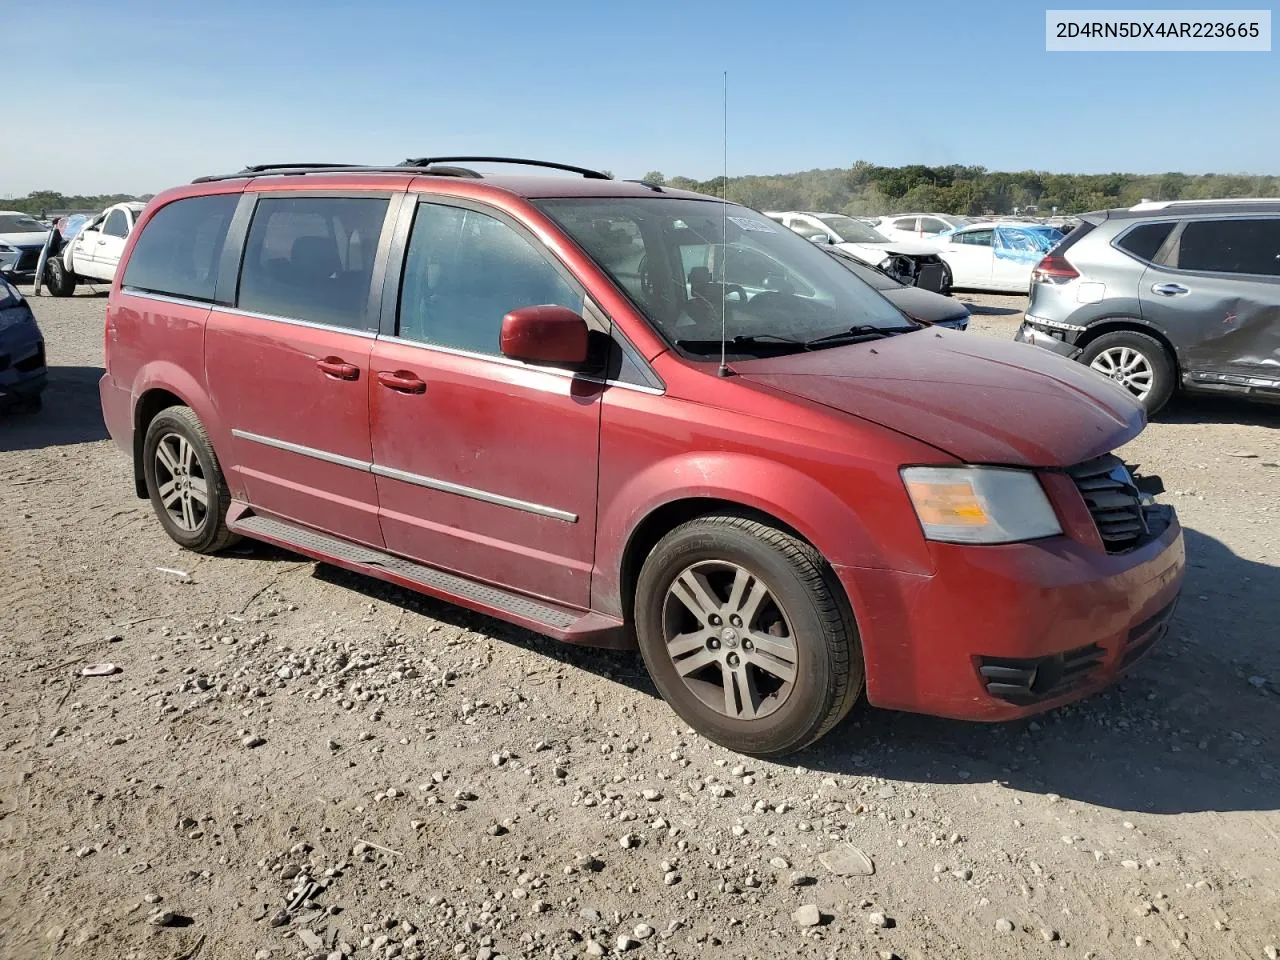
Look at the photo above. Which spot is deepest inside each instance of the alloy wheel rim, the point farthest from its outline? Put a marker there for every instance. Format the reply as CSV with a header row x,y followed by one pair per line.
x,y
729,639
1127,367
180,482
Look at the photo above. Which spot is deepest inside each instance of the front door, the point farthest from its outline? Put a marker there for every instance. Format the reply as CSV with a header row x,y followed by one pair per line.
x,y
86,243
1219,300
485,466
115,230
968,254
288,364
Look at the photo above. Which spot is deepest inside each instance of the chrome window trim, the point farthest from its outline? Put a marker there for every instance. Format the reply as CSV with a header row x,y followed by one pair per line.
x,y
417,479
166,298
235,311
509,362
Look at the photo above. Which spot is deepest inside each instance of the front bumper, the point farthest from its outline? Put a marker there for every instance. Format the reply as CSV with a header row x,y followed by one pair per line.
x,y
1060,341
1001,632
23,374
19,263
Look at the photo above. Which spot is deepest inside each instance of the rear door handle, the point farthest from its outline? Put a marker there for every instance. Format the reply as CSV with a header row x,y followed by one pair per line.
x,y
402,381
338,368
1169,289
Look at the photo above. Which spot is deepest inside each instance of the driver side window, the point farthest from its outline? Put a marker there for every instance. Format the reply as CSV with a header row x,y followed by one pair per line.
x,y
117,225
978,238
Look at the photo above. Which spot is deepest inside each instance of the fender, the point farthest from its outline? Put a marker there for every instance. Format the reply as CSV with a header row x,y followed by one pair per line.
x,y
862,534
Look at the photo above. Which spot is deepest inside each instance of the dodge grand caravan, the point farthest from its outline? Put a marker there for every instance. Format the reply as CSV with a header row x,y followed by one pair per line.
x,y
539,397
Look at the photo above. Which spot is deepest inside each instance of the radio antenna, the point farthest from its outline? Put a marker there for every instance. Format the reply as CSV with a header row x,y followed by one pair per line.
x,y
724,232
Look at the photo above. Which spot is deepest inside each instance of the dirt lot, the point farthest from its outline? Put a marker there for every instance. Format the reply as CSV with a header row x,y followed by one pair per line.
x,y
294,762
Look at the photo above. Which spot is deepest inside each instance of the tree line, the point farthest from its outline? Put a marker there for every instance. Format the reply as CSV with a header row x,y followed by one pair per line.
x,y
868,189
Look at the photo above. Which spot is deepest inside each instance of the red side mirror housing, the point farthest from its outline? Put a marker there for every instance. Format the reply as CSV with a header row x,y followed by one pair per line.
x,y
544,334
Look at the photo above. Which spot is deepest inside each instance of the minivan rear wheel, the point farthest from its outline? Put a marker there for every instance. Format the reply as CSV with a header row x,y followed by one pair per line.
x,y
185,483
1135,361
745,632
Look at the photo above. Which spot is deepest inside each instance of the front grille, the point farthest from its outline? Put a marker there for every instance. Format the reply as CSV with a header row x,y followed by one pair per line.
x,y
1113,502
1142,637
1032,680
27,261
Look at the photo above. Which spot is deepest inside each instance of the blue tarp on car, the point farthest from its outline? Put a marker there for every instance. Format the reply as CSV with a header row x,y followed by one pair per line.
x,y
1025,244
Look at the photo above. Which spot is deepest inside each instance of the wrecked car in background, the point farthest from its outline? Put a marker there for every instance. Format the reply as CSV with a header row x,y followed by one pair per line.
x,y
912,262
922,305
1162,295
92,250
996,256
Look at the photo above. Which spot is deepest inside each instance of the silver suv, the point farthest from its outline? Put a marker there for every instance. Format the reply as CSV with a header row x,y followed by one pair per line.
x,y
1167,294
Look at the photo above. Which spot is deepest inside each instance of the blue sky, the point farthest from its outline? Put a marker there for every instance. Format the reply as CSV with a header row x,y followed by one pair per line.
x,y
155,93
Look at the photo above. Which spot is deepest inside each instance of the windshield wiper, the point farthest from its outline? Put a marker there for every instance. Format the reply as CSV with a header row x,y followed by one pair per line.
x,y
863,331
743,340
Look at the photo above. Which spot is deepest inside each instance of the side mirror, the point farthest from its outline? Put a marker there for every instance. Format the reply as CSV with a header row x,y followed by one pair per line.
x,y
821,239
544,334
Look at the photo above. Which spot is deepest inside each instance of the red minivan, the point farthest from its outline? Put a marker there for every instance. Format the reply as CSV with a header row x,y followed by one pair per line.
x,y
621,414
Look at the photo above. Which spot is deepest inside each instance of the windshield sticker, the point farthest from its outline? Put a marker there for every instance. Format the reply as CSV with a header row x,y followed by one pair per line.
x,y
746,223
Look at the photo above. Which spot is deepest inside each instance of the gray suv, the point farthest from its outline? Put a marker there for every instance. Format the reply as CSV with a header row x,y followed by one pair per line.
x,y
1167,294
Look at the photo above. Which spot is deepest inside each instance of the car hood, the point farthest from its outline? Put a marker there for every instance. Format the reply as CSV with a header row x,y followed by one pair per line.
x,y
978,399
25,239
926,306
875,252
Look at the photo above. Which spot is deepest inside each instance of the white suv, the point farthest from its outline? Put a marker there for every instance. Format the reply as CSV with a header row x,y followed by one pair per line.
x,y
93,254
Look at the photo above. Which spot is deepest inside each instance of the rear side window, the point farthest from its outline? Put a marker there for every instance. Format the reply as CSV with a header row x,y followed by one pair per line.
x,y
930,225
1145,239
177,253
311,258
1231,246
464,271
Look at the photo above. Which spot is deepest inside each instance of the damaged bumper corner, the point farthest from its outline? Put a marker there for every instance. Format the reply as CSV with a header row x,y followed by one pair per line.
x,y
1028,332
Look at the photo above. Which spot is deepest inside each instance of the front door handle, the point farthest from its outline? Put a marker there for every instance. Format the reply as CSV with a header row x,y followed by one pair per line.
x,y
101,242
1169,289
338,368
402,381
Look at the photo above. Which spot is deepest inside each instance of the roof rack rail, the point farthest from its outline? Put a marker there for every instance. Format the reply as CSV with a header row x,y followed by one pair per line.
x,y
301,170
568,168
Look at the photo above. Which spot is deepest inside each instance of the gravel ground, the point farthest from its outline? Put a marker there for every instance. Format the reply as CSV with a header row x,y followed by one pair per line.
x,y
294,762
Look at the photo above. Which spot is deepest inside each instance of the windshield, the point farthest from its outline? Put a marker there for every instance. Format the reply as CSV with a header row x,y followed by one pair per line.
x,y
850,230
20,223
669,256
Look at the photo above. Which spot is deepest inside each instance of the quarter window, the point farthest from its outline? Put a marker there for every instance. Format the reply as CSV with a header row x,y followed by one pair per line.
x,y
1231,246
311,258
464,271
178,251
117,225
1145,240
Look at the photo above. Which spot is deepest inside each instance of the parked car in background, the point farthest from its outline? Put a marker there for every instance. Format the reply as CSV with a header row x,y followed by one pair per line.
x,y
923,305
995,256
917,226
22,362
545,398
93,251
21,238
911,262
1166,295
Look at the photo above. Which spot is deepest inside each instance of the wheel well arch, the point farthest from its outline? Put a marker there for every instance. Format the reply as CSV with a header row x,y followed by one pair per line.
x,y
1132,324
666,517
145,410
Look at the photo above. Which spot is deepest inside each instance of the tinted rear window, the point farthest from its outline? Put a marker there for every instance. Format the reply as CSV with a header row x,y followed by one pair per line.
x,y
178,251
1145,239
1231,246
311,258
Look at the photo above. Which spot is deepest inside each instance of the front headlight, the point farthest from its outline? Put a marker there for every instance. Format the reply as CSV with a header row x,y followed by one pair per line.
x,y
980,504
5,248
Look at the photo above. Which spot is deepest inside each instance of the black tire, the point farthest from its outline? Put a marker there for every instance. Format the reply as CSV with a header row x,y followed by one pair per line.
x,y
60,281
209,533
803,594
1154,355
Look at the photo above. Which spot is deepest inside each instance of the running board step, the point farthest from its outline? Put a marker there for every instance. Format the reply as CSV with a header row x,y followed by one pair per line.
x,y
563,623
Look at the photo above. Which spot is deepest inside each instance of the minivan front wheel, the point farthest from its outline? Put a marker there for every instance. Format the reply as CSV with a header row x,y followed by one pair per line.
x,y
185,482
1135,361
745,633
